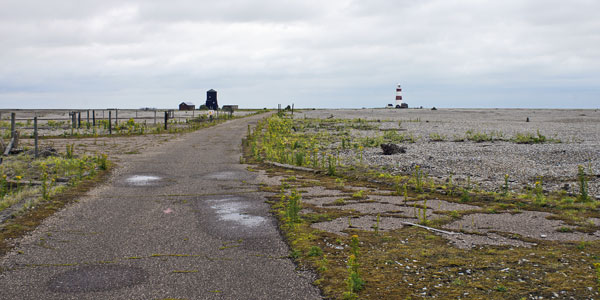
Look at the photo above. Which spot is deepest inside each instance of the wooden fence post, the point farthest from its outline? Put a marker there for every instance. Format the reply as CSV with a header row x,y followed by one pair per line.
x,y
110,122
166,119
35,136
13,116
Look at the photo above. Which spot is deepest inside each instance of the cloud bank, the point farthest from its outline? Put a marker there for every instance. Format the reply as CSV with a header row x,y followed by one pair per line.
x,y
338,53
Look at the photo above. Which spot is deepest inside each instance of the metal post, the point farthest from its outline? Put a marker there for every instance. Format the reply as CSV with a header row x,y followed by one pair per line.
x,y
13,116
93,117
109,122
35,136
166,119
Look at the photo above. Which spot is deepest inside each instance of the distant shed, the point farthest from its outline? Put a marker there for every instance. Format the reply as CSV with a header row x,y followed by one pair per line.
x,y
230,107
187,106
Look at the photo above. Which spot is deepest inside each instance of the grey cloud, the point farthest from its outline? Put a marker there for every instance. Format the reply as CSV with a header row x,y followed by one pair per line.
x,y
302,49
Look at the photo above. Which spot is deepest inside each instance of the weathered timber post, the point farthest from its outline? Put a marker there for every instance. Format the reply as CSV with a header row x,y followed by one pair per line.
x,y
116,116
78,119
88,116
109,122
166,119
93,117
13,117
35,136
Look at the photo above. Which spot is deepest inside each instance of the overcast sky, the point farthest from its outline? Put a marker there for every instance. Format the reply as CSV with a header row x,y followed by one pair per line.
x,y
334,53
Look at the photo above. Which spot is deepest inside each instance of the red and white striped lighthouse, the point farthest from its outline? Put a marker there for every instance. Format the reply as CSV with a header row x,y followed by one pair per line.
x,y
398,96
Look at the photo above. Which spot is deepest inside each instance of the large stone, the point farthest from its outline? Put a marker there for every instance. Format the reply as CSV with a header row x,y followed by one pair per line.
x,y
389,149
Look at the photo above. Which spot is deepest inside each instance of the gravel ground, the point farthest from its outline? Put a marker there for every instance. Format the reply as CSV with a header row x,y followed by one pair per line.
x,y
486,163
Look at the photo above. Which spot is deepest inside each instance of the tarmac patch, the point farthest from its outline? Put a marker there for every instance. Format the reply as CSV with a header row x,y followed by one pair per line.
x,y
96,278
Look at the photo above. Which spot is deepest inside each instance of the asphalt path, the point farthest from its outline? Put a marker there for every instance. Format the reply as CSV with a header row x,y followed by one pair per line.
x,y
183,220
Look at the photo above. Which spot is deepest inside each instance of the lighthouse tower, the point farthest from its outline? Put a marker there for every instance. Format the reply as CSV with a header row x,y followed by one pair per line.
x,y
398,96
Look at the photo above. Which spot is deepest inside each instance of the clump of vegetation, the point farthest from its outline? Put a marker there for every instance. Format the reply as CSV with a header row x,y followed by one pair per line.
x,y
530,138
293,208
360,194
583,185
354,282
436,137
597,267
505,187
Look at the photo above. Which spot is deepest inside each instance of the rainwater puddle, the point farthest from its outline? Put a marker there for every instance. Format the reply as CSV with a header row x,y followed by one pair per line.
x,y
142,180
228,210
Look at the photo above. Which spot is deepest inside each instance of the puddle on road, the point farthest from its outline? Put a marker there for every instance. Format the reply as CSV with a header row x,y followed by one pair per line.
x,y
97,278
142,180
228,210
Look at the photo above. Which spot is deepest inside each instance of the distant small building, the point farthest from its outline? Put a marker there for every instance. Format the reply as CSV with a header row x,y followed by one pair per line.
x,y
211,100
187,106
230,107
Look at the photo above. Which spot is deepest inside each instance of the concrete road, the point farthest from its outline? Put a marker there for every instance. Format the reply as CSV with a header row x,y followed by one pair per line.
x,y
183,220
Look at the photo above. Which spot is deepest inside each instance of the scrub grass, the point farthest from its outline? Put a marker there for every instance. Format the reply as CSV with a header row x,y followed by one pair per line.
x,y
411,262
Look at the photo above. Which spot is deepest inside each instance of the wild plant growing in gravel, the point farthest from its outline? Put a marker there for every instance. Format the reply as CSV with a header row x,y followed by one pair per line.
x,y
423,213
354,282
360,194
418,175
3,185
331,163
69,152
293,207
300,158
505,188
405,192
45,184
322,264
465,197
597,267
450,185
360,152
315,251
539,192
102,161
376,226
436,137
583,185
397,184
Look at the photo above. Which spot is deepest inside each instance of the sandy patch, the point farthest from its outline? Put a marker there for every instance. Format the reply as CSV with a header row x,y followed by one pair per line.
x,y
319,191
441,205
365,223
468,241
530,224
262,177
